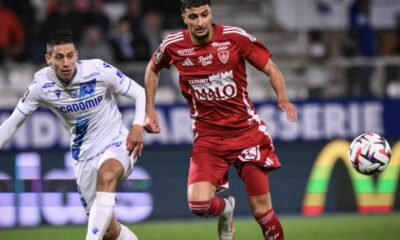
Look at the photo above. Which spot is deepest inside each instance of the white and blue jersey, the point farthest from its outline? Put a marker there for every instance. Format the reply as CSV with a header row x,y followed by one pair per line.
x,y
87,104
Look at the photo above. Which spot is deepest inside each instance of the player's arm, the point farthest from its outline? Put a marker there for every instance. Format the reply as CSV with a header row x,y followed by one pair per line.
x,y
151,123
278,84
123,85
10,125
134,141
25,107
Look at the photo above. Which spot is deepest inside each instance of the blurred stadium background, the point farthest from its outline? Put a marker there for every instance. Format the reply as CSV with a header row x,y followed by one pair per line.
x,y
343,75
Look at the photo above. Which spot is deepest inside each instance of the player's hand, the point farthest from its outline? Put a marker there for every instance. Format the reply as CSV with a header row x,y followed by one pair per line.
x,y
289,108
152,123
134,141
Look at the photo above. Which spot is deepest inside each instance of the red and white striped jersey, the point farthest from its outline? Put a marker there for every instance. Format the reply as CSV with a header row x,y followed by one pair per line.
x,y
213,78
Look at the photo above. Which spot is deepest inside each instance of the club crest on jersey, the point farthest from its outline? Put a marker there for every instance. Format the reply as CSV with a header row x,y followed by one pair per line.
x,y
223,56
87,89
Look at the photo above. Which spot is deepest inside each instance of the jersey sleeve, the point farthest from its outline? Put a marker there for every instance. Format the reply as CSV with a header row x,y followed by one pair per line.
x,y
118,81
123,85
161,58
252,50
30,101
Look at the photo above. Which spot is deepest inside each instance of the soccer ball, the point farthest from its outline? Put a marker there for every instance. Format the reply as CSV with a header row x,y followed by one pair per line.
x,y
369,153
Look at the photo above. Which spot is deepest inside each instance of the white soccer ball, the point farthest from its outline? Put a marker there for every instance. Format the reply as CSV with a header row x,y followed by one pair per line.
x,y
369,153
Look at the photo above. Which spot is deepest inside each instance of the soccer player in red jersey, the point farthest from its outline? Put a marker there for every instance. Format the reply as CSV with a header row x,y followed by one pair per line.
x,y
210,59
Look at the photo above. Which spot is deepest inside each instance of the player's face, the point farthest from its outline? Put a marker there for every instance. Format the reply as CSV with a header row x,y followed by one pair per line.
x,y
199,22
63,59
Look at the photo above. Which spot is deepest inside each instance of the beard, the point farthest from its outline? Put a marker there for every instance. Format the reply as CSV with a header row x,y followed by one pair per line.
x,y
202,39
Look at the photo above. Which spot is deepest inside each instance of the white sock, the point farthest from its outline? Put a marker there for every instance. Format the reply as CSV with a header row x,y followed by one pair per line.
x,y
126,234
100,215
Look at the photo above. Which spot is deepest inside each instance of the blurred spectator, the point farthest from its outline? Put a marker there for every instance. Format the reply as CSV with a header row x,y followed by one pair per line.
x,y
63,16
397,49
364,36
127,46
170,11
27,14
317,48
12,35
393,71
95,45
361,28
317,75
152,30
134,15
96,16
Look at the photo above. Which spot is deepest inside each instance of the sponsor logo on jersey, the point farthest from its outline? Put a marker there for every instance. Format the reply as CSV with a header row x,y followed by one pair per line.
x,y
81,106
74,93
114,144
221,45
48,85
223,56
187,63
205,60
185,52
91,75
219,86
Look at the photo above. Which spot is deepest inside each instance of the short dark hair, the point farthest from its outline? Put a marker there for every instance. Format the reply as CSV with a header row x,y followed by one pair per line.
x,y
186,4
60,37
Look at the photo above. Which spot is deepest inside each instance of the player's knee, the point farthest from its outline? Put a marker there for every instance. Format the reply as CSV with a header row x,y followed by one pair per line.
x,y
259,210
259,205
107,179
199,208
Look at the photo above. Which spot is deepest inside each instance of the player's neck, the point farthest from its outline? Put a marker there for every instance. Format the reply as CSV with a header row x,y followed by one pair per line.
x,y
67,82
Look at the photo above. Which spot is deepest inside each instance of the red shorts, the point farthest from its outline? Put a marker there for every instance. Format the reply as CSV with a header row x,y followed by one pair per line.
x,y
213,155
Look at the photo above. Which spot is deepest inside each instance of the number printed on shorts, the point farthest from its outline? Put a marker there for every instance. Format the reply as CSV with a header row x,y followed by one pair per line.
x,y
250,154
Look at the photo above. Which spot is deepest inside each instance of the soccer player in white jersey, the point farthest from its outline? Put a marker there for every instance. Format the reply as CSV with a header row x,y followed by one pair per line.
x,y
81,93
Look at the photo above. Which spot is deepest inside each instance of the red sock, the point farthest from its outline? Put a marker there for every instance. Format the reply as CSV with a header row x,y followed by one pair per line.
x,y
270,225
211,208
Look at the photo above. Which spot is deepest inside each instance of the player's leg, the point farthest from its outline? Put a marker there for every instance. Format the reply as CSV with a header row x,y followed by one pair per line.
x,y
113,166
110,173
118,231
256,182
206,172
202,199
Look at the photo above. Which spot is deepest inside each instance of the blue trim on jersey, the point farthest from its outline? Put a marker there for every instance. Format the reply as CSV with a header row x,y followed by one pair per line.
x,y
22,112
81,130
130,82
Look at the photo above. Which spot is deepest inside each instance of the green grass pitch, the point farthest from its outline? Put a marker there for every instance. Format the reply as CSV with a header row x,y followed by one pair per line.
x,y
328,227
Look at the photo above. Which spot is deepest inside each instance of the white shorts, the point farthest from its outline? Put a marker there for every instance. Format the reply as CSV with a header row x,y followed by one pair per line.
x,y
86,171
